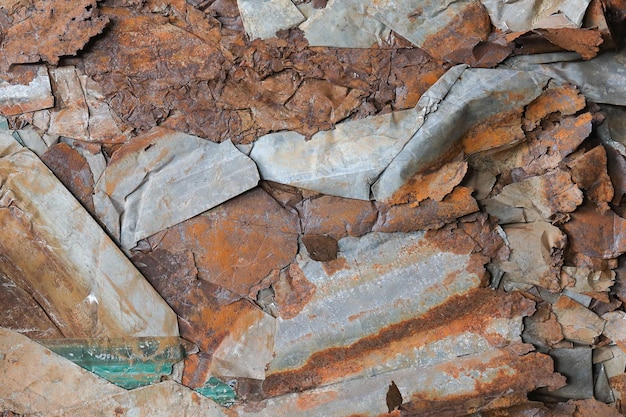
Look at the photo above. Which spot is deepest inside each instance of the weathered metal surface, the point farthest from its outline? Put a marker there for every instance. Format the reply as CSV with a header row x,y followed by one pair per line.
x,y
595,233
344,24
599,80
21,98
127,362
52,246
579,324
163,169
44,30
536,256
526,15
158,400
264,19
36,380
477,95
237,244
447,30
21,313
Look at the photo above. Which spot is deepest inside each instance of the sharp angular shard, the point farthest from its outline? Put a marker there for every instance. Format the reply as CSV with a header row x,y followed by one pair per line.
x,y
163,178
52,246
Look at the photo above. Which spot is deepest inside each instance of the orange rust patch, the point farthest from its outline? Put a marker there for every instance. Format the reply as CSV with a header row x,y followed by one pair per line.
x,y
498,130
564,99
590,173
508,388
293,291
585,42
428,215
456,42
335,266
434,185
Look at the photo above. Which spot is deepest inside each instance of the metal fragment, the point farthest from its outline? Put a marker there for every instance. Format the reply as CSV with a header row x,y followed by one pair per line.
x,y
163,169
19,98
263,19
52,246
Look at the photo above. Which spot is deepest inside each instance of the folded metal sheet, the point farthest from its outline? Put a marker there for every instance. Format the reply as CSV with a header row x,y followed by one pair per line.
x,y
165,177
52,246
20,98
478,94
346,161
344,24
262,19
525,15
445,29
600,80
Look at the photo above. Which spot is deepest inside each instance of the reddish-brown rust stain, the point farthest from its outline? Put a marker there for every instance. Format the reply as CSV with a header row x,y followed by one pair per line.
x,y
456,42
72,170
428,215
589,171
237,244
49,31
336,217
472,312
493,132
563,99
529,372
596,234
335,266
585,42
434,185
293,291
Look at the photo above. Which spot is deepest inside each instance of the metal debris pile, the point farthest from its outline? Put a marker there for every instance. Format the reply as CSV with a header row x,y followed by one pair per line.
x,y
312,208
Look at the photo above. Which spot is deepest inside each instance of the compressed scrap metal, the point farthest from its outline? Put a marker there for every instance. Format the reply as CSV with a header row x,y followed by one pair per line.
x,y
165,172
52,248
301,303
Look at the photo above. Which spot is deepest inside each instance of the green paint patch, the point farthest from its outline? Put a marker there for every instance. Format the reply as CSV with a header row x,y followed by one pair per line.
x,y
128,363
218,391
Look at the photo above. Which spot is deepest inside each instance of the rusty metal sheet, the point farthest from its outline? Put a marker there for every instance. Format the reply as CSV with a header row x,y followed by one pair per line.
x,y
263,19
447,30
42,30
22,98
36,380
52,246
165,177
438,361
478,94
346,306
524,15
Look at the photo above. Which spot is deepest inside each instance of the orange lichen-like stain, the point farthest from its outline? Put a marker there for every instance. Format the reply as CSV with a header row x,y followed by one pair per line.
x,y
564,99
493,132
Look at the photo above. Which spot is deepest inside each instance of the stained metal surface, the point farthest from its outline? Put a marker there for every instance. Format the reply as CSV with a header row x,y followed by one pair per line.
x,y
162,170
53,246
